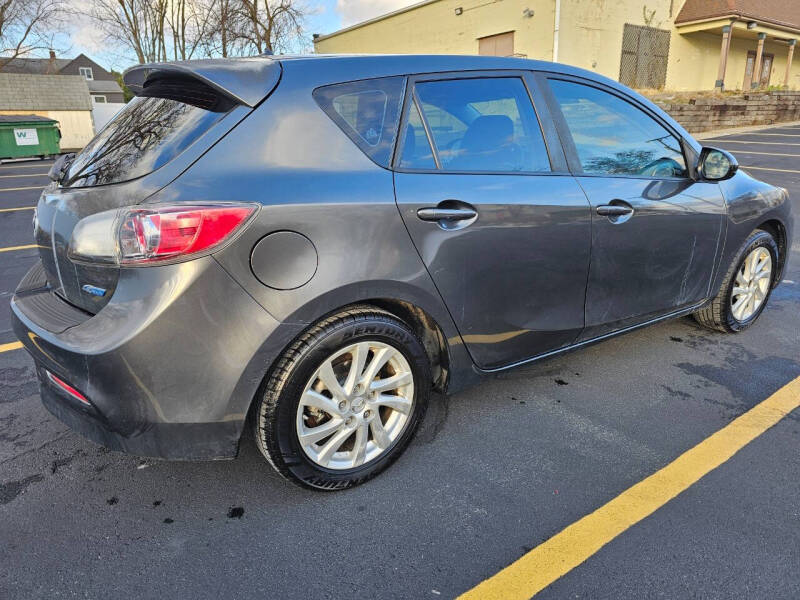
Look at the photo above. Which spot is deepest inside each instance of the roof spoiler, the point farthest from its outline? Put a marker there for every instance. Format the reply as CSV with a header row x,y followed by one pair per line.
x,y
244,80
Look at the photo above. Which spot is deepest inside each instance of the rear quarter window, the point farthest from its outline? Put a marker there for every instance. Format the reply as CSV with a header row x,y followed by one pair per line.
x,y
367,111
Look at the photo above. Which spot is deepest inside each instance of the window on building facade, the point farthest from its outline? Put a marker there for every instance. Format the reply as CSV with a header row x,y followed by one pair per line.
x,y
98,99
86,72
497,45
645,51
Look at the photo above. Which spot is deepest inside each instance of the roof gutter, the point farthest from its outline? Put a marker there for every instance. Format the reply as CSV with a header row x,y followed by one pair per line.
x,y
738,16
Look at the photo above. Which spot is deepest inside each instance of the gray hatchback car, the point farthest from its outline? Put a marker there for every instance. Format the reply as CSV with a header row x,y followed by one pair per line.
x,y
312,245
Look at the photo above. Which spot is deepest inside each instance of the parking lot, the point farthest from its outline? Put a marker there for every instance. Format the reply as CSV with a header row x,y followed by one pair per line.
x,y
495,473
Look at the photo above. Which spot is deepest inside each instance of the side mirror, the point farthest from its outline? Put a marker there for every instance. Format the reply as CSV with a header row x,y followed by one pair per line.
x,y
716,165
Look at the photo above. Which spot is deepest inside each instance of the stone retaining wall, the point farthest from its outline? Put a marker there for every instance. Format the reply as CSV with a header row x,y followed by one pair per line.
x,y
722,112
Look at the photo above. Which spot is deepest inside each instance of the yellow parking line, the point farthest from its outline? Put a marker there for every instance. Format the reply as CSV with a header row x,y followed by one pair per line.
x,y
35,187
566,550
10,347
749,142
19,248
19,208
764,153
23,175
769,169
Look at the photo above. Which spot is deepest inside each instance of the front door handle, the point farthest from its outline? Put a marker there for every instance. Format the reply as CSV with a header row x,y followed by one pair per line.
x,y
446,214
614,210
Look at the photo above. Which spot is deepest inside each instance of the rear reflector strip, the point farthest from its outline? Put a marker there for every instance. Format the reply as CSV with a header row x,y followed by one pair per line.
x,y
65,387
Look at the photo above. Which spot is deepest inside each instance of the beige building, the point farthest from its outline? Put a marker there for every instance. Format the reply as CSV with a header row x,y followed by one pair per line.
x,y
673,44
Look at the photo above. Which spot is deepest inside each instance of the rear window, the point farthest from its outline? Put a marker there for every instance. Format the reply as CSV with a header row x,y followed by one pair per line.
x,y
367,111
150,131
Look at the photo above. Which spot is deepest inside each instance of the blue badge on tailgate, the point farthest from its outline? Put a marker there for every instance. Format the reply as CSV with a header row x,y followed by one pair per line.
x,y
93,290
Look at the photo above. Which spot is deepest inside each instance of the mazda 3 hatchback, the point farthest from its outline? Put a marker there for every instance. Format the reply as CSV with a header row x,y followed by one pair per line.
x,y
311,245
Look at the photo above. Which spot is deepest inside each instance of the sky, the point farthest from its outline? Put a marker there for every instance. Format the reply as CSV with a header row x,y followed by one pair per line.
x,y
327,16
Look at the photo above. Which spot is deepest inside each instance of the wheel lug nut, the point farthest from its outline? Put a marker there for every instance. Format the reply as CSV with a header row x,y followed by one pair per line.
x,y
349,421
367,414
342,405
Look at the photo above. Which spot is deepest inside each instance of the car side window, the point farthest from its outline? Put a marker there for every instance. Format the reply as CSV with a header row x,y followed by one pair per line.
x,y
416,152
367,111
485,124
614,137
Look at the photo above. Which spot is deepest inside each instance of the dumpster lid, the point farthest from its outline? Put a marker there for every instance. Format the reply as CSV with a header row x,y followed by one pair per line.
x,y
25,119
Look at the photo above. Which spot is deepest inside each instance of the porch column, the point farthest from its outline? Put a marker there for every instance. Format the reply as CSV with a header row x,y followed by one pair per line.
x,y
789,62
723,57
757,67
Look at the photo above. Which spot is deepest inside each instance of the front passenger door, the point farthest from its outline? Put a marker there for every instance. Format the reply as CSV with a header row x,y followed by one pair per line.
x,y
655,230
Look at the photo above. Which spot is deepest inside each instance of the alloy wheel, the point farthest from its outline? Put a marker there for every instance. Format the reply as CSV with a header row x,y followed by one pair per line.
x,y
751,284
355,406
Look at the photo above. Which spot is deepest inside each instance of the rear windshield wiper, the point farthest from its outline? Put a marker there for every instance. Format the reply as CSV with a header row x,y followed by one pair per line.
x,y
60,167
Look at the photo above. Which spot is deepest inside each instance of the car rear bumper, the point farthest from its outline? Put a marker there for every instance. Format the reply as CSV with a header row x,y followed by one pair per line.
x,y
169,366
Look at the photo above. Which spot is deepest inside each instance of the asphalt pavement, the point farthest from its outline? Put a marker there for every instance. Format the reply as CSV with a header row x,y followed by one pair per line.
x,y
495,471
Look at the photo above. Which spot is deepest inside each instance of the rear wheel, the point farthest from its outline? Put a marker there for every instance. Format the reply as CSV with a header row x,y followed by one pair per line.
x,y
746,288
344,400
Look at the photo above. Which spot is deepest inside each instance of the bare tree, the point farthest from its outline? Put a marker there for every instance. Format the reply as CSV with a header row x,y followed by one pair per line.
x,y
27,26
137,25
159,30
191,25
270,25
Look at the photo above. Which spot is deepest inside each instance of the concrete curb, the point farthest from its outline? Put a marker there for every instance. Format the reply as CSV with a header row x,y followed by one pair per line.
x,y
750,128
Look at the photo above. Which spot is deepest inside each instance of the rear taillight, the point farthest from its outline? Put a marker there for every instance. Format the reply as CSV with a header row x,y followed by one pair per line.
x,y
137,236
167,233
67,388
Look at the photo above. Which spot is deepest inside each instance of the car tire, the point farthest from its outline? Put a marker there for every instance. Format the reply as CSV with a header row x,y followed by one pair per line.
x,y
724,312
332,369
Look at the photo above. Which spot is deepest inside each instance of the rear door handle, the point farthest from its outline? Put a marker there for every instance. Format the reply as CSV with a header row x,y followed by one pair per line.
x,y
446,214
614,210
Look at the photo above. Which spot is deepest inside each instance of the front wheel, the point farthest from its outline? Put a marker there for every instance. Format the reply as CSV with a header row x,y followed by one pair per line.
x,y
746,288
344,400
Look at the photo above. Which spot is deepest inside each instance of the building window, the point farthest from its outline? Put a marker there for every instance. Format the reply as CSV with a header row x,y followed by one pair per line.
x,y
645,51
501,44
86,72
766,69
99,99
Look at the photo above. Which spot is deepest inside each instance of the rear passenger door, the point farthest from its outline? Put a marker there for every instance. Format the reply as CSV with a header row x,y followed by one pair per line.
x,y
655,230
503,228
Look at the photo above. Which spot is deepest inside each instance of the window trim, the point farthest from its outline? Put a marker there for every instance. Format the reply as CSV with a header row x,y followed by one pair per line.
x,y
95,96
557,166
87,73
564,133
425,126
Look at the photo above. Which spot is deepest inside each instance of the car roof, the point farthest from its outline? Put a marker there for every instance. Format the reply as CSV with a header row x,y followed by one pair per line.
x,y
432,63
249,80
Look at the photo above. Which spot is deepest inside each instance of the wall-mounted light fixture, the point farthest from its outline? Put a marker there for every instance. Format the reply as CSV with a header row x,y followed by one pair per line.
x,y
752,25
459,11
527,13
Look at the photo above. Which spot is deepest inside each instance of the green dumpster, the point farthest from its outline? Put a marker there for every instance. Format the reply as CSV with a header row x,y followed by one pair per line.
x,y
23,136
